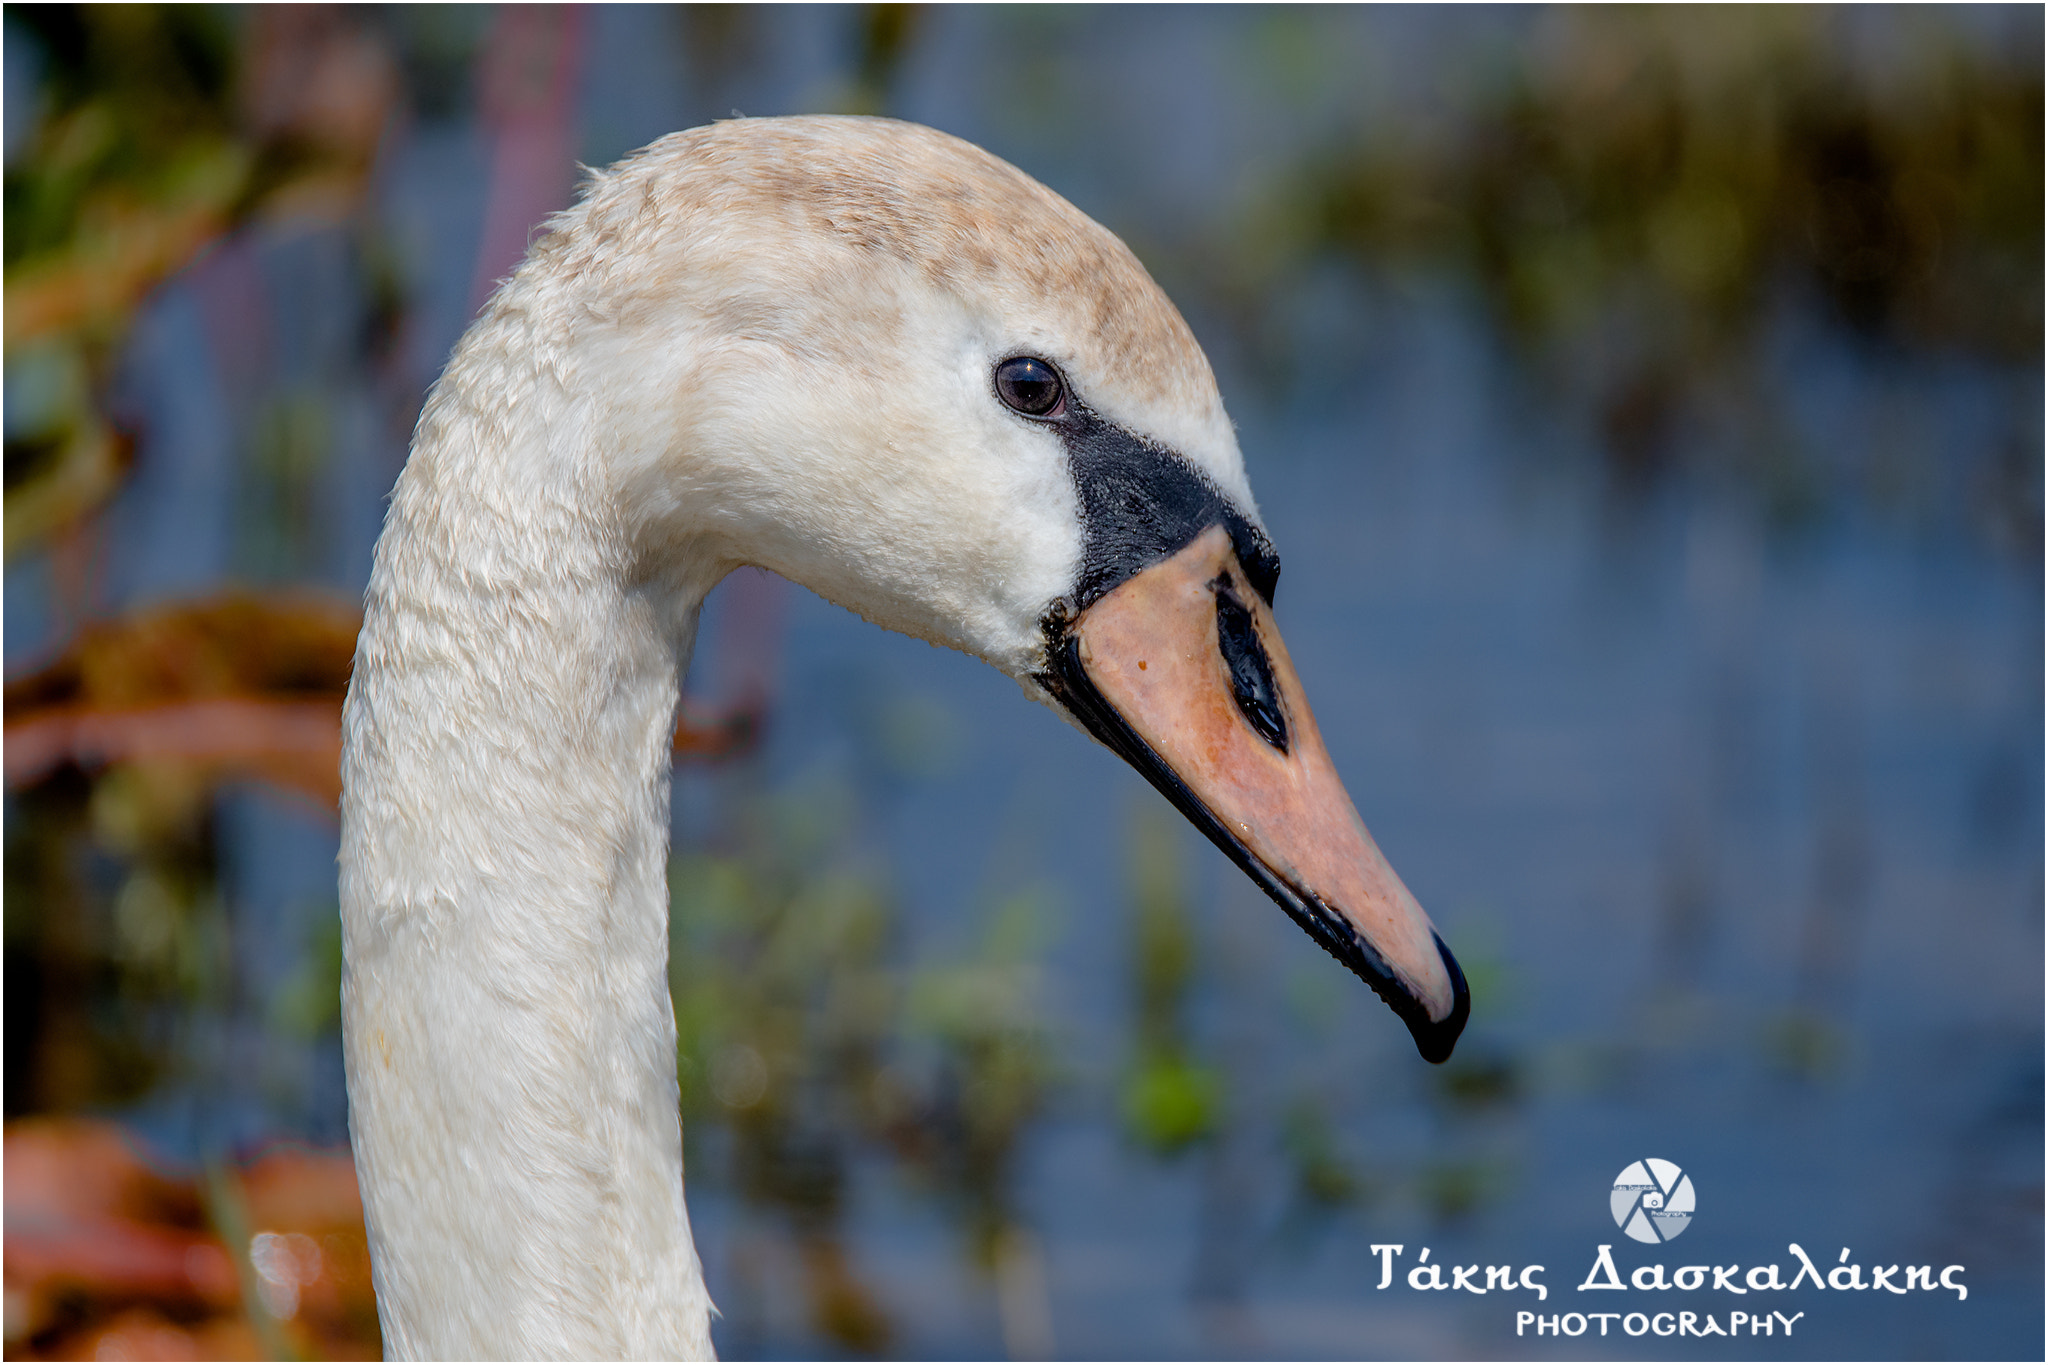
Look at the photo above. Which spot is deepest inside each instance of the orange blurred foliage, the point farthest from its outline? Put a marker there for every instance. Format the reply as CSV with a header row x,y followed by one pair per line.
x,y
109,1256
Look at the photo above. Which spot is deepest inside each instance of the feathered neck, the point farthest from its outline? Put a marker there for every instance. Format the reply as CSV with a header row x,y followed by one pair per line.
x,y
509,1036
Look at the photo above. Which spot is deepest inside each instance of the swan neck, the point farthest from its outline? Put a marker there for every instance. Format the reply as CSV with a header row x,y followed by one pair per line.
x,y
509,1036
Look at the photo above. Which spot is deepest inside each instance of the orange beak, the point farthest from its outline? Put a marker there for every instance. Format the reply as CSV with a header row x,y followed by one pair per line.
x,y
1181,670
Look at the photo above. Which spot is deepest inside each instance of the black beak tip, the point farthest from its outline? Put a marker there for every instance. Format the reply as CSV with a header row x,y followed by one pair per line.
x,y
1435,1039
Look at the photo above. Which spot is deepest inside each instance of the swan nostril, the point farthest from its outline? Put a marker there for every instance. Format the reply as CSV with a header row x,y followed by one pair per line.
x,y
1251,672
1031,386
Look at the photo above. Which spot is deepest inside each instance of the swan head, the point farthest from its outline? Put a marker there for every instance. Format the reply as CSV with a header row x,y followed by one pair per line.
x,y
886,365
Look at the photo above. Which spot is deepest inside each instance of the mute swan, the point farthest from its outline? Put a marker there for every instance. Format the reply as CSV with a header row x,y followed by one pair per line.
x,y
886,365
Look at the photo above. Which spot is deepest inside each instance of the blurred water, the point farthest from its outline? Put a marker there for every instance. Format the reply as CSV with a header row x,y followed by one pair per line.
x,y
1737,827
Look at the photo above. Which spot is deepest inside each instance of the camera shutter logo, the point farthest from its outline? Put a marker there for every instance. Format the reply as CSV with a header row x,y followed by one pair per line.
x,y
1652,1200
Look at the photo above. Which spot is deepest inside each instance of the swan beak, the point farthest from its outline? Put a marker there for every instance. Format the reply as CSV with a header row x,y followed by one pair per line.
x,y
1181,670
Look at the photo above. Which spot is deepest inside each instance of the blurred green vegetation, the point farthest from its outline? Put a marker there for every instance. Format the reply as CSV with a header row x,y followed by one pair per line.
x,y
1684,162
154,131
806,1042
130,168
1171,1098
138,114
1638,196
114,934
1325,1177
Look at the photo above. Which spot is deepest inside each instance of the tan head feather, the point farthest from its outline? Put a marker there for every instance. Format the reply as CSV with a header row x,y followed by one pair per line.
x,y
964,219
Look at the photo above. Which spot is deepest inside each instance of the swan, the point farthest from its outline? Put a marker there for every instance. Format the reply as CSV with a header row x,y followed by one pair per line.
x,y
886,365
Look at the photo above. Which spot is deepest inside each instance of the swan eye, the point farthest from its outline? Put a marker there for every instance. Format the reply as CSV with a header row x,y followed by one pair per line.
x,y
1031,386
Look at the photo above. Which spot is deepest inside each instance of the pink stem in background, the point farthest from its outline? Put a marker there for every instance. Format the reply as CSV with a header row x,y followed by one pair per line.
x,y
235,311
748,656
750,637
527,83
